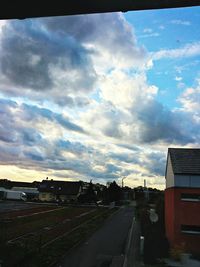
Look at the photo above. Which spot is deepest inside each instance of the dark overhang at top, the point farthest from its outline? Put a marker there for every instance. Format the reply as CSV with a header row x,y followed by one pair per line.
x,y
31,9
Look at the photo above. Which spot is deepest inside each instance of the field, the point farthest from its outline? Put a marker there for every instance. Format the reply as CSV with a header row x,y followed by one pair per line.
x,y
40,235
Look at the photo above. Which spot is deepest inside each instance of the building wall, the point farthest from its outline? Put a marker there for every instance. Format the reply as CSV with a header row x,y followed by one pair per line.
x,y
169,173
169,214
187,181
182,213
46,196
68,197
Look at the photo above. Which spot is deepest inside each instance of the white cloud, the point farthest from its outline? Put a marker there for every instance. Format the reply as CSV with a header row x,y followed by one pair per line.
x,y
180,22
129,112
178,78
153,34
190,99
147,30
162,27
189,50
124,90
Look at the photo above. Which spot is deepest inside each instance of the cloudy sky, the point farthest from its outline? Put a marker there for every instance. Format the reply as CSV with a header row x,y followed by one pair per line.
x,y
99,96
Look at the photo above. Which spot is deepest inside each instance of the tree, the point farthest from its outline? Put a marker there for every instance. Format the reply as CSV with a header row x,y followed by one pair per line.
x,y
90,195
114,192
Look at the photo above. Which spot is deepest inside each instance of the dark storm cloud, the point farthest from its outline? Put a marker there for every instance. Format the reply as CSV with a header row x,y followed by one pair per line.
x,y
112,130
51,58
79,166
24,145
21,41
9,154
31,59
34,155
34,113
74,147
158,123
8,131
132,158
149,122
18,123
155,162
130,147
73,101
111,168
30,136
108,30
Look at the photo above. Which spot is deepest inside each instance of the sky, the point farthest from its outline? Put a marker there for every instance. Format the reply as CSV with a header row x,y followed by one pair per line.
x,y
98,96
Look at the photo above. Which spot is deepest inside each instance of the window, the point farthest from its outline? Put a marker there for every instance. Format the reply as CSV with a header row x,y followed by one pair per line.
x,y
190,197
190,229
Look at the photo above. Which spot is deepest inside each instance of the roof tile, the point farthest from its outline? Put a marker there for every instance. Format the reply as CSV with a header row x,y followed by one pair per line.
x,y
185,160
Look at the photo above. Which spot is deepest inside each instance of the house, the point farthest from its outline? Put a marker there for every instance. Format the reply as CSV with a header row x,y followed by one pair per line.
x,y
8,184
64,191
182,198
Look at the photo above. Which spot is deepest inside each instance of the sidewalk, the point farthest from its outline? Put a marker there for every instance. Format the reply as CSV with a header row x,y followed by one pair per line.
x,y
184,263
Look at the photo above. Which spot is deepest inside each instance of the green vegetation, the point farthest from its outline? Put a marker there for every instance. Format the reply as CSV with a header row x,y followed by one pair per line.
x,y
156,245
20,226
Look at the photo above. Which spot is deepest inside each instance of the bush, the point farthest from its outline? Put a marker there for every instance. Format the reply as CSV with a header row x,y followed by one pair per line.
x,y
176,251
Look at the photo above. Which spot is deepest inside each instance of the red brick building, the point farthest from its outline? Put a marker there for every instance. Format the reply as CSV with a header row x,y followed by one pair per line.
x,y
182,198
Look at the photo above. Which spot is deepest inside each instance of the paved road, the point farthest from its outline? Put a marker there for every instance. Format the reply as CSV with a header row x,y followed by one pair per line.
x,y
107,242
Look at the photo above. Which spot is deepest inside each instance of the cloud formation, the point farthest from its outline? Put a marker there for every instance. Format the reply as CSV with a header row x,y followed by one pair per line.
x,y
188,50
83,105
180,22
39,64
102,34
59,59
130,111
190,99
19,123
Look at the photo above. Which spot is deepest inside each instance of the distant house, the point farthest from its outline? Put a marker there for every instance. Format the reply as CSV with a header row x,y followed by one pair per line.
x,y
182,198
8,184
64,191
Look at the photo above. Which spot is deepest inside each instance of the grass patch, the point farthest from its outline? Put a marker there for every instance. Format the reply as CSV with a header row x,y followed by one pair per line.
x,y
33,251
24,225
51,254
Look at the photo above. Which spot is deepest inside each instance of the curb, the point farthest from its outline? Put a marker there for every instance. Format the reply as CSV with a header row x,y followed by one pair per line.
x,y
128,244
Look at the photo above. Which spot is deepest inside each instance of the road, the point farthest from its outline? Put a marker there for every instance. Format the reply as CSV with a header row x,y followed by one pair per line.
x,y
106,243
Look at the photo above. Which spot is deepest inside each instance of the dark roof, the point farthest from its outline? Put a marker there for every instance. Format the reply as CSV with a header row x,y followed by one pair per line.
x,y
9,184
30,9
185,160
60,187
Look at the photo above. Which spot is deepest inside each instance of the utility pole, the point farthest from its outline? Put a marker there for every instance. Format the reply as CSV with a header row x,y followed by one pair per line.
x,y
145,190
123,181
